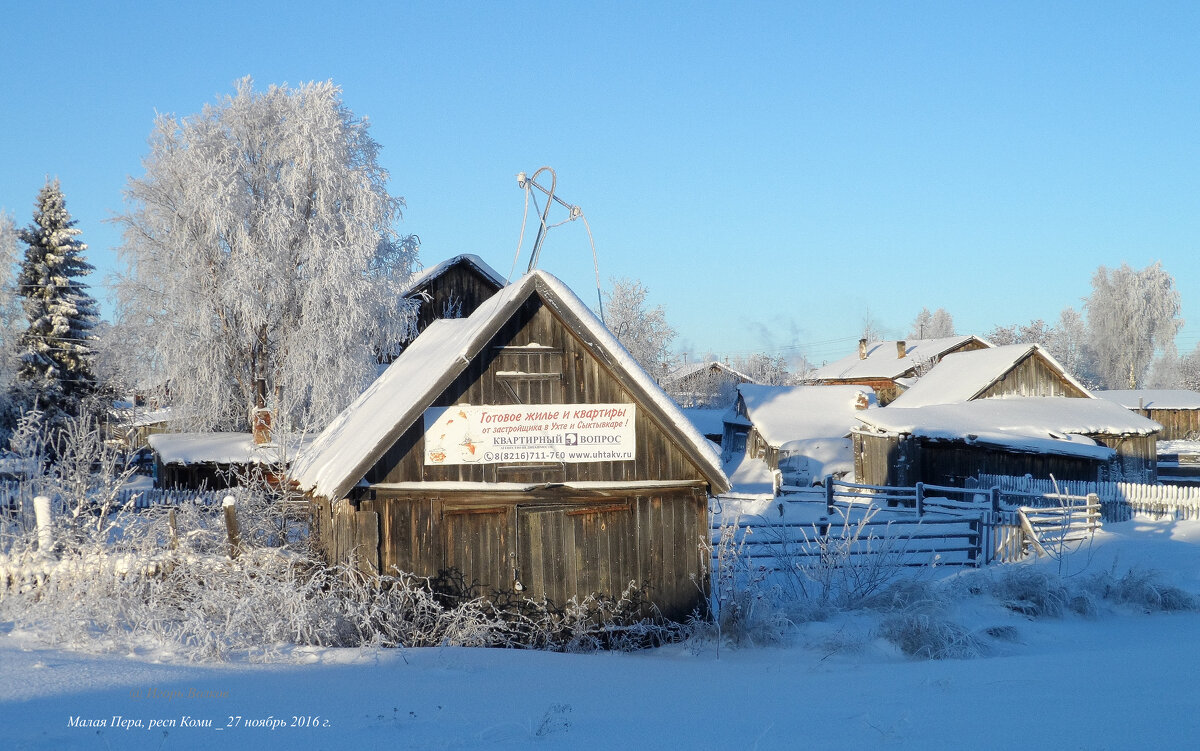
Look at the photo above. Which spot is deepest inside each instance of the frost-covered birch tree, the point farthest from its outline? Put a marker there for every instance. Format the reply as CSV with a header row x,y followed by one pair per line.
x,y
11,316
935,325
642,330
1131,315
263,266
55,351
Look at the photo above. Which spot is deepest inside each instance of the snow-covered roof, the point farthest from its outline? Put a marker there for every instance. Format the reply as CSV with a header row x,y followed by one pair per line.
x,y
962,376
882,360
431,272
1038,424
213,448
707,421
1152,398
341,455
789,413
692,368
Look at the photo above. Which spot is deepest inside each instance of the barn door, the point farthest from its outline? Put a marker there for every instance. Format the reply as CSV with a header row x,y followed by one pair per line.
x,y
478,545
572,550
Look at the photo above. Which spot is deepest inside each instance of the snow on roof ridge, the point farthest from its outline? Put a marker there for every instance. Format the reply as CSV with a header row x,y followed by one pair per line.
x,y
377,418
962,376
1152,398
431,272
1036,414
694,367
882,361
786,413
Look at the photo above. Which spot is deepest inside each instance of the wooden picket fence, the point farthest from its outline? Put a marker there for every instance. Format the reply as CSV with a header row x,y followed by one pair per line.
x,y
1119,501
144,499
921,525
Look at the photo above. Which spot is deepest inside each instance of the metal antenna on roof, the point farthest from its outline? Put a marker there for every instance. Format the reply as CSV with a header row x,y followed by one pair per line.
x,y
527,184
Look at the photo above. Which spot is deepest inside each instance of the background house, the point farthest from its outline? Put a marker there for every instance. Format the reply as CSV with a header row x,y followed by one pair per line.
x,y
890,367
945,444
994,372
711,384
453,288
802,431
211,461
1177,410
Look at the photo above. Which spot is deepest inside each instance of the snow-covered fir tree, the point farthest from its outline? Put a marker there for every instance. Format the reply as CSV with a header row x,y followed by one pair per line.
x,y
55,357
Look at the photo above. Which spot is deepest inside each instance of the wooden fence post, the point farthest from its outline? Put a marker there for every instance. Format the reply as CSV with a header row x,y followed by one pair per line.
x,y
829,493
920,494
45,532
996,499
174,528
231,526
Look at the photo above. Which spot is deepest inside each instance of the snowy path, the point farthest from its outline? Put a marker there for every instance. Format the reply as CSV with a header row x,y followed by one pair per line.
x,y
1118,681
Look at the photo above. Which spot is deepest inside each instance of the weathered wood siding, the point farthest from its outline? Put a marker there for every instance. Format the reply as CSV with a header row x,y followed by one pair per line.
x,y
1032,376
558,543
1178,424
881,459
903,461
535,359
1137,457
455,293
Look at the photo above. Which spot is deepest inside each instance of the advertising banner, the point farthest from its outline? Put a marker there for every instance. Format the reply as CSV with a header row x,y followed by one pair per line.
x,y
572,433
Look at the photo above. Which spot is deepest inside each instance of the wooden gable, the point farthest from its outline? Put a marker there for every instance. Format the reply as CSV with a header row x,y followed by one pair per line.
x,y
535,359
455,292
1033,375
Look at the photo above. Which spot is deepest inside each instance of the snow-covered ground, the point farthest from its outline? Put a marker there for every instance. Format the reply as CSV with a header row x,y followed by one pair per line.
x,y
1119,679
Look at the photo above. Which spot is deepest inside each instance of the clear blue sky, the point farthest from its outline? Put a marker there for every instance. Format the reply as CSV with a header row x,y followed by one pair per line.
x,y
773,173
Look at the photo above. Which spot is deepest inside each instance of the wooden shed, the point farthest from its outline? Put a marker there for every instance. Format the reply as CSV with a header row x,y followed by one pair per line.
x,y
802,431
210,461
991,373
523,448
454,288
945,444
703,384
890,367
1177,410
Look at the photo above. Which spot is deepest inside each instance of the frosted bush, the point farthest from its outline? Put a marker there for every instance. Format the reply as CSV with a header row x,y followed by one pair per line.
x,y
923,631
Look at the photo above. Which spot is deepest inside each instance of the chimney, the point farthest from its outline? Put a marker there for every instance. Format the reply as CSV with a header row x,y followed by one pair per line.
x,y
260,424
862,349
901,349
861,400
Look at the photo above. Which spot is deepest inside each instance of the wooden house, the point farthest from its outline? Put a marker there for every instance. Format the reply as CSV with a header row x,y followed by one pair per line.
x,y
945,444
890,367
801,431
211,461
453,288
523,448
1177,410
994,372
710,384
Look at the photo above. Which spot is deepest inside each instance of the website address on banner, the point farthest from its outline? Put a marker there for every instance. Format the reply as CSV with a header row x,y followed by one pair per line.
x,y
557,456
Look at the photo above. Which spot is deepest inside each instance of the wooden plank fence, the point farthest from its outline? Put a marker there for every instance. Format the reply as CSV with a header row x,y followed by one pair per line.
x,y
922,525
1119,500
